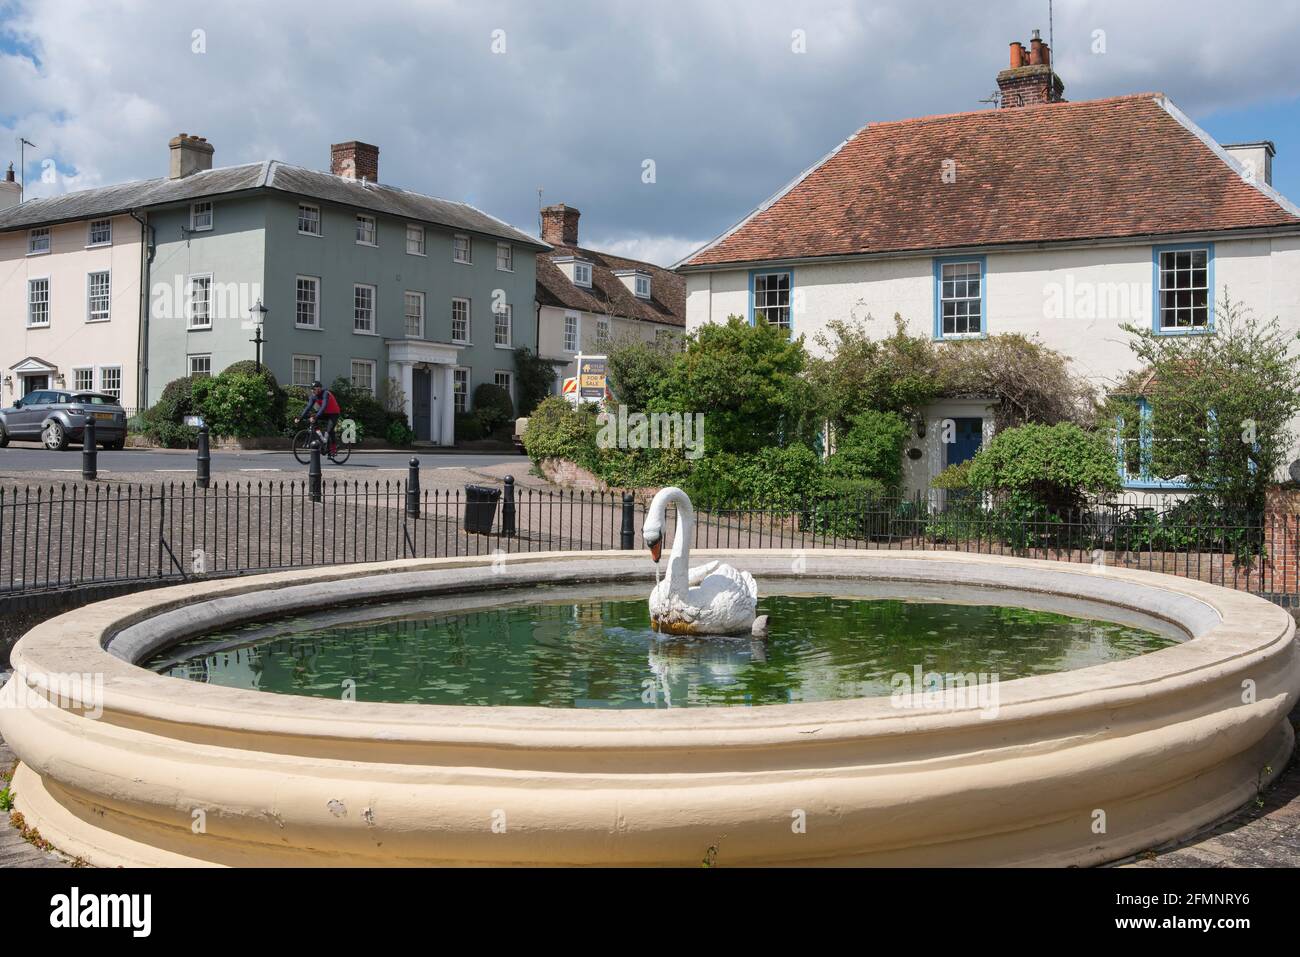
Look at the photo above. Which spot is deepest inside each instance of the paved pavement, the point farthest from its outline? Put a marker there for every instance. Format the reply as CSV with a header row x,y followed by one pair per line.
x,y
30,462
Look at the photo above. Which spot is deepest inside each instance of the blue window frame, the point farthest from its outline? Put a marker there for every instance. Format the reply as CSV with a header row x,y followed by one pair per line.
x,y
960,299
771,294
1182,287
1135,462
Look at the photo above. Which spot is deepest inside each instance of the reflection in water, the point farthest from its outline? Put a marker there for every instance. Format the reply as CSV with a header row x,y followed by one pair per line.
x,y
602,654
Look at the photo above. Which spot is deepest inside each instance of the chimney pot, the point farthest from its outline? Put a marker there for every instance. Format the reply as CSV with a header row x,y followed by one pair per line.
x,y
189,154
1017,55
355,160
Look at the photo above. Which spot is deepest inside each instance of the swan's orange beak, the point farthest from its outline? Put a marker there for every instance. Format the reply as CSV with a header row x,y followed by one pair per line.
x,y
656,550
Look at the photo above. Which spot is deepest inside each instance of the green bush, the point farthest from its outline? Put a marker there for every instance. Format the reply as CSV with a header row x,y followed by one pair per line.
x,y
747,382
276,394
557,429
234,404
1047,467
782,479
871,448
399,434
163,422
492,407
534,379
637,369
469,427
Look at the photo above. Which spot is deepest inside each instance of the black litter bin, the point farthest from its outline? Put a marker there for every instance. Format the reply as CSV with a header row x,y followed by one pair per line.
x,y
480,508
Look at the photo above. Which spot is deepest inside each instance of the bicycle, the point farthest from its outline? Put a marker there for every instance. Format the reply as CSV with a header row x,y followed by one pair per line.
x,y
311,438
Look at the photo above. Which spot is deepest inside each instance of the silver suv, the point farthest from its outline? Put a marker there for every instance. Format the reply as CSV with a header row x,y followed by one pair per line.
x,y
57,417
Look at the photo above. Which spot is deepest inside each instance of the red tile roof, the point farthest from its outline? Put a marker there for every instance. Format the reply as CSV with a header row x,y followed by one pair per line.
x,y
1125,166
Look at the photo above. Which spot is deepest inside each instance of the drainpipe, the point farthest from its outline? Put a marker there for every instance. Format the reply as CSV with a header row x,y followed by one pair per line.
x,y
149,247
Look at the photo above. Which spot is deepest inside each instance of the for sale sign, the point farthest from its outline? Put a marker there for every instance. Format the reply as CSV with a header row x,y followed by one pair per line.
x,y
591,378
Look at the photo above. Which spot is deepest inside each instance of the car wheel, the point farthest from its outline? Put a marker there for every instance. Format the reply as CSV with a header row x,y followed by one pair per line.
x,y
115,446
55,437
4,436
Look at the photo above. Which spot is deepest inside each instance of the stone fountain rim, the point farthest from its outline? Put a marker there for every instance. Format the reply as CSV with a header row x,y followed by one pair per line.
x,y
1226,626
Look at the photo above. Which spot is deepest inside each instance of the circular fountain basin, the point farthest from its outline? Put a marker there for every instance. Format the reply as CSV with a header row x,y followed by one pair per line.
x,y
125,766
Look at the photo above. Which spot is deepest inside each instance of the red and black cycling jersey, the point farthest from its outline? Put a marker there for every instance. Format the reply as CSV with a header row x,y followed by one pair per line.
x,y
328,404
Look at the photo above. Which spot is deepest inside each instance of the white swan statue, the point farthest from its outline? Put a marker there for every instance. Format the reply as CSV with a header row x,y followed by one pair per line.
x,y
713,599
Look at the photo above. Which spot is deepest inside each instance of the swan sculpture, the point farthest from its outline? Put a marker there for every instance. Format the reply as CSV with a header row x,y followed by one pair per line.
x,y
713,599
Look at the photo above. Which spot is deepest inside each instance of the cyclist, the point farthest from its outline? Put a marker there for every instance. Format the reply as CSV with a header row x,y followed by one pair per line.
x,y
327,412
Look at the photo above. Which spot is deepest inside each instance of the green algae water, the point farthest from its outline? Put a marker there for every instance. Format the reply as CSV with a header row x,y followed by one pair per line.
x,y
603,654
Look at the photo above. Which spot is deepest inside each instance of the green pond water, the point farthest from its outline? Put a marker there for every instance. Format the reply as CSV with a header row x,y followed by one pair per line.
x,y
602,653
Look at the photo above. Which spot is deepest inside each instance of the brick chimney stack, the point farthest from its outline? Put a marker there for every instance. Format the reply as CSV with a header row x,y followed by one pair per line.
x,y
560,225
355,160
1030,78
189,154
11,194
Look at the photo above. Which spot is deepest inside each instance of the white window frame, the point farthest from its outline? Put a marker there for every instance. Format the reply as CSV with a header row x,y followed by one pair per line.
x,y
510,381
579,270
507,310
460,397
406,313
638,282
456,245
369,364
957,273
107,296
509,257
189,363
91,242
769,298
104,387
316,284
374,309
89,385
423,236
577,332
604,332
469,320
39,232
293,369
1176,273
194,216
190,324
362,219
307,232
31,281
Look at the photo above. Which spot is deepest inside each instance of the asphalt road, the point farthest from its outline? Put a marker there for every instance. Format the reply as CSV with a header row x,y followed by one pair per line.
x,y
21,457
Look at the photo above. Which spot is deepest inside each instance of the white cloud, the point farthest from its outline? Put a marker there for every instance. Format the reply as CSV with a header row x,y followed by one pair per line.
x,y
708,89
660,250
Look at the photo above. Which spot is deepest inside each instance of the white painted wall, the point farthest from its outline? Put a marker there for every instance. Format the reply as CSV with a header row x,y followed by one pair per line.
x,y
1021,290
551,335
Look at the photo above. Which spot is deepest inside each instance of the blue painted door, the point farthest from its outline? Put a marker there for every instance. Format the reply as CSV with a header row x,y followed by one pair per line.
x,y
967,439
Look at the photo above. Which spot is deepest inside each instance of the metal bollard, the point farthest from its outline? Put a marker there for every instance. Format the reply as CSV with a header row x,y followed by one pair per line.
x,y
413,488
508,507
203,466
89,450
628,531
313,474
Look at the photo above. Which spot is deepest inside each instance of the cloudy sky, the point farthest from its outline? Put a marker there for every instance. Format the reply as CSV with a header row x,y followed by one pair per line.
x,y
488,100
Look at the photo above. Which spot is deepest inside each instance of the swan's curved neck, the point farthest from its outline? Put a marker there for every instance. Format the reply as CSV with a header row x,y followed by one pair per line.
x,y
680,557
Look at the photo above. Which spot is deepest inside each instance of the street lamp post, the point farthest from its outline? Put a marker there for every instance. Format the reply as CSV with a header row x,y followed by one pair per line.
x,y
258,312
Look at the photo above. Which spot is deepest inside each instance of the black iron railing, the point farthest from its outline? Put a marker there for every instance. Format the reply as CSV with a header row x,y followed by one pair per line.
x,y
62,537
